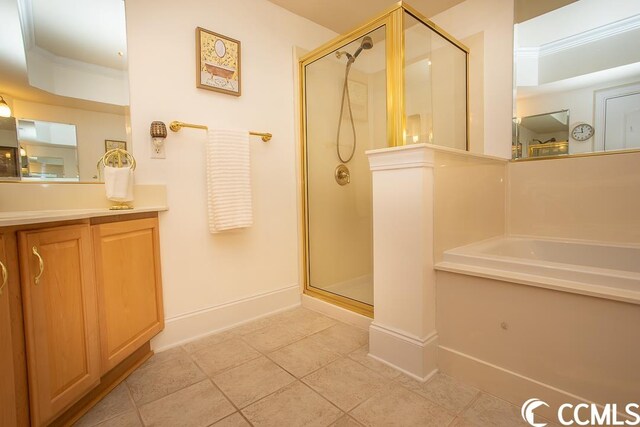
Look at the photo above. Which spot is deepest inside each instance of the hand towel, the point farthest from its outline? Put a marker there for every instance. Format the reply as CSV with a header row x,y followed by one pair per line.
x,y
228,180
118,183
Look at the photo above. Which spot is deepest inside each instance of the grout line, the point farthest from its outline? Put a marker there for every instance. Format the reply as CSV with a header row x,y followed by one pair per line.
x,y
130,394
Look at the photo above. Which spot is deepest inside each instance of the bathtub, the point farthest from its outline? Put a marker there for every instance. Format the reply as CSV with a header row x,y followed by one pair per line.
x,y
606,271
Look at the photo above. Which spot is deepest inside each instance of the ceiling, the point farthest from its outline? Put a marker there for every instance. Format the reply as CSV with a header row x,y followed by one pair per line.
x,y
89,31
342,16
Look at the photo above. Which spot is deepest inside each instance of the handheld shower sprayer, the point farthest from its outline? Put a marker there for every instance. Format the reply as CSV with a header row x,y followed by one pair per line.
x,y
365,44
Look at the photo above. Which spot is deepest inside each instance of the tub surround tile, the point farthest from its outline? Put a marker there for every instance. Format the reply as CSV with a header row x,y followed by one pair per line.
x,y
397,406
303,357
158,379
117,402
225,355
252,381
293,406
345,383
200,404
342,338
443,390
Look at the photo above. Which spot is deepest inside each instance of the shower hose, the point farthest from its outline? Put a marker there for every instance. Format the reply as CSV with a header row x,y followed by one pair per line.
x,y
345,94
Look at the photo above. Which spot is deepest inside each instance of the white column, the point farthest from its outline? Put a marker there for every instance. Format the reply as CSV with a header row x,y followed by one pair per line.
x,y
403,332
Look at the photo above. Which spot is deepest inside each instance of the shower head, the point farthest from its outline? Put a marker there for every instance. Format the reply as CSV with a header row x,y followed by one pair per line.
x,y
366,43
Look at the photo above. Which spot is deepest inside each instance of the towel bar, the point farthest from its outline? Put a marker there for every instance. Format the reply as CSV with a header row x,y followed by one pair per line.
x,y
176,126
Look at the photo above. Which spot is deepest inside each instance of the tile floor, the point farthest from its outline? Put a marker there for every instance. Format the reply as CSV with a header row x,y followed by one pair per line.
x,y
297,368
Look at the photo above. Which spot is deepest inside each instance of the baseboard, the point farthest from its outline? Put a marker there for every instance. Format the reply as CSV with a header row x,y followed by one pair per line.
x,y
339,313
192,326
416,357
503,383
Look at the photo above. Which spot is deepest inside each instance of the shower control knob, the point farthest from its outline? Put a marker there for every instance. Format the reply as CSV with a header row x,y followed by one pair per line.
x,y
342,175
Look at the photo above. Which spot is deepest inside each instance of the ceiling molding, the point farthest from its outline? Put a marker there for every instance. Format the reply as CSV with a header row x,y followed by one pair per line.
x,y
619,27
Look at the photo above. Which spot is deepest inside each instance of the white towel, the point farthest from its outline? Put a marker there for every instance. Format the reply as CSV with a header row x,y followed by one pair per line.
x,y
228,180
119,183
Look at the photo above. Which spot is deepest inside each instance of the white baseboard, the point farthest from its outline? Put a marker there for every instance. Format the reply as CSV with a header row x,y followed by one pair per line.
x,y
503,383
191,326
339,313
414,356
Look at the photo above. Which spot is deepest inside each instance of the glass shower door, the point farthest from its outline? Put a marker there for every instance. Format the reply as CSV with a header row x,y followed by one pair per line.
x,y
345,111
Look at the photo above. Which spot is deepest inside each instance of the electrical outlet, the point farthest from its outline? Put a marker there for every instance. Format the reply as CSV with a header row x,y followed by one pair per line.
x,y
157,151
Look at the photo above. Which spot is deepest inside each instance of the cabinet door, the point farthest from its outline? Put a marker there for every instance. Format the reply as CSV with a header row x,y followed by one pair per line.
x,y
61,323
127,258
8,415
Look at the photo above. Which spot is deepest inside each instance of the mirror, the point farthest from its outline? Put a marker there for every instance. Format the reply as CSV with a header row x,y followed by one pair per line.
x,y
64,74
583,59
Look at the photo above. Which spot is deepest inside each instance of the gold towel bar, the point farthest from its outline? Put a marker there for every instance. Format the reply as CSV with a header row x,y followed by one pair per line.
x,y
176,126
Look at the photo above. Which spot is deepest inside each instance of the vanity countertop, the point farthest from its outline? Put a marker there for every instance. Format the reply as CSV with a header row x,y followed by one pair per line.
x,y
36,217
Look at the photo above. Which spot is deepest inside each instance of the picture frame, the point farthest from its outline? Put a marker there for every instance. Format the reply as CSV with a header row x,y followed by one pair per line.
x,y
217,62
110,144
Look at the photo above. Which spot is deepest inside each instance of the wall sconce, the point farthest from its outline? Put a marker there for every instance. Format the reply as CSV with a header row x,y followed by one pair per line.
x,y
5,110
158,133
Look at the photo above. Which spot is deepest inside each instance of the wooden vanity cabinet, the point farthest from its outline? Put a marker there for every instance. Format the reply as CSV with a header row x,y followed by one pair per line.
x,y
127,256
82,301
60,317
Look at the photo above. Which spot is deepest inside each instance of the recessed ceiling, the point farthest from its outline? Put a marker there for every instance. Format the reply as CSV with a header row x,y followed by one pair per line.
x,y
342,16
89,31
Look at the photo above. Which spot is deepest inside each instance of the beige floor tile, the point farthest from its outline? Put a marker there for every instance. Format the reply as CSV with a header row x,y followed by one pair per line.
x,y
208,341
252,381
273,337
303,357
198,405
488,411
256,325
346,421
361,356
307,321
225,355
151,382
342,338
163,356
293,406
345,383
113,404
235,420
128,419
443,390
397,406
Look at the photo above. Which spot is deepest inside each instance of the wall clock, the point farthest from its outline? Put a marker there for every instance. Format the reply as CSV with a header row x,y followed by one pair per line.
x,y
582,132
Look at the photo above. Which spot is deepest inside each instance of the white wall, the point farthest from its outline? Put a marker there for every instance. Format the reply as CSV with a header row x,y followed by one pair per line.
x,y
203,271
494,19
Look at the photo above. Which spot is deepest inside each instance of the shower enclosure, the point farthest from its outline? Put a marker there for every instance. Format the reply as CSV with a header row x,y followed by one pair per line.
x,y
399,79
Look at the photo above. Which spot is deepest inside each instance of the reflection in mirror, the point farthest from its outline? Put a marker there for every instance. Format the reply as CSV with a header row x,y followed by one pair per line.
x,y
63,71
542,135
48,150
583,57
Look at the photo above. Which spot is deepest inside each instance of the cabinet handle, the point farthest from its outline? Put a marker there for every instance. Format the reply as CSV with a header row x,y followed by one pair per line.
x,y
35,252
5,277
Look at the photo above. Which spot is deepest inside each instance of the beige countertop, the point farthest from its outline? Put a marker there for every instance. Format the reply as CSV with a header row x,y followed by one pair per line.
x,y
40,216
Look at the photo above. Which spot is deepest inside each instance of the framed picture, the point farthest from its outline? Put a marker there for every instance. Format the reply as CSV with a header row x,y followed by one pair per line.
x,y
110,144
217,62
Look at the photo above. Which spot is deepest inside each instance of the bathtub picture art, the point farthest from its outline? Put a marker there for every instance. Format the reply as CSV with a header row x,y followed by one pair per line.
x,y
218,62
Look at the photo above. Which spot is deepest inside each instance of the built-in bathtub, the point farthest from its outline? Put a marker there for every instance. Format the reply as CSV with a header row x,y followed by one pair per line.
x,y
602,270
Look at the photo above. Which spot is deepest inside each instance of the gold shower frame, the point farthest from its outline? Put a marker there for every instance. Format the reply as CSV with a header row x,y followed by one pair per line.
x,y
393,21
